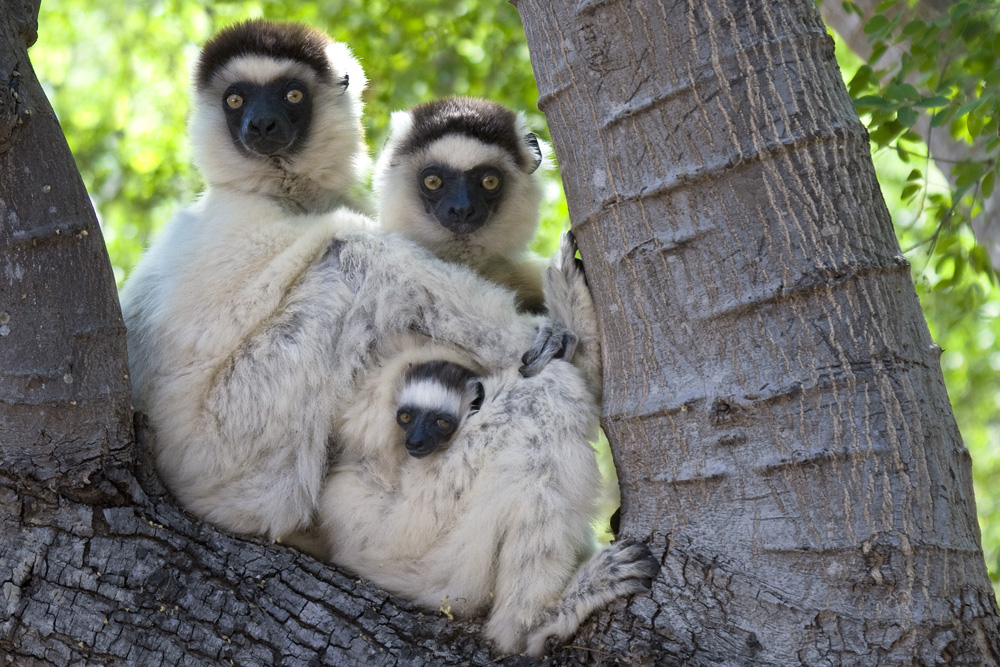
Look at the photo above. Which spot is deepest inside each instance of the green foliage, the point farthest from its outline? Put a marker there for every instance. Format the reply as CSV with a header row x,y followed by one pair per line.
x,y
949,67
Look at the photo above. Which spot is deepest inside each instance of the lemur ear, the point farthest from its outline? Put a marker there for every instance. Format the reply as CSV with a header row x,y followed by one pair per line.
x,y
476,387
534,151
345,80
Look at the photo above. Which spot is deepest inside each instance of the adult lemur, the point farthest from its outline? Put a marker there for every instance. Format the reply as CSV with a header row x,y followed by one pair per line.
x,y
259,310
459,177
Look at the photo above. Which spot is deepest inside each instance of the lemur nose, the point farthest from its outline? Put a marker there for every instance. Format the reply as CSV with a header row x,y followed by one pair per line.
x,y
263,126
461,213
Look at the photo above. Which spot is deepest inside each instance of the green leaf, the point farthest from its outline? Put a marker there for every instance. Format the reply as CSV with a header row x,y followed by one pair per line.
x,y
910,190
971,105
902,91
931,102
988,182
915,175
875,101
943,117
875,24
907,116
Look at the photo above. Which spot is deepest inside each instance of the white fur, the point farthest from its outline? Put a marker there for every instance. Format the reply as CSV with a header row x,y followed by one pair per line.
x,y
253,335
497,521
244,335
499,249
432,396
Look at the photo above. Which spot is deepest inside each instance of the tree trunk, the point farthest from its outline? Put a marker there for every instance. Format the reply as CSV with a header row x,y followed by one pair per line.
x,y
774,400
943,148
64,389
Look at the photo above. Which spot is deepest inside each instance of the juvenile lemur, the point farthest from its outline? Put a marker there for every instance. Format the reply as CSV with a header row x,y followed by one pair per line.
x,y
476,492
459,176
259,309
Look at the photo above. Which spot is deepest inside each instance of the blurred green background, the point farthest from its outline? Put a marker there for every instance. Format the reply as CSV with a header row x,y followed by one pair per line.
x,y
117,76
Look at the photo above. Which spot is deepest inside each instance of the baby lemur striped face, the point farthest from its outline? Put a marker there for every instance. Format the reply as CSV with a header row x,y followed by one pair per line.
x,y
434,400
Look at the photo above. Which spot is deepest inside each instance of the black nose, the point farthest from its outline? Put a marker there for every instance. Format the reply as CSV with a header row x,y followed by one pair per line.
x,y
461,214
262,126
421,447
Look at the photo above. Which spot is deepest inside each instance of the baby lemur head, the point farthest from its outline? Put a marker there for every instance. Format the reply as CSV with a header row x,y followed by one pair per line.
x,y
434,400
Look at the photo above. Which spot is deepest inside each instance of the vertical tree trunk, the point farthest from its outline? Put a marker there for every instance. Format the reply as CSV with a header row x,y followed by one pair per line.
x,y
775,402
64,391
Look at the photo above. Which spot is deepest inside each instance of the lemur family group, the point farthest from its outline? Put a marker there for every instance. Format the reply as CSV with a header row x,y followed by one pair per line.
x,y
409,395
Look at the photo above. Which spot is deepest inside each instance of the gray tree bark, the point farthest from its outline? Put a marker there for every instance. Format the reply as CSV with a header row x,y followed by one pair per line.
x,y
943,148
774,400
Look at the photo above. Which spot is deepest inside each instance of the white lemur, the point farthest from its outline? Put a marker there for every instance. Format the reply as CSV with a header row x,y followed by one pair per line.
x,y
258,312
218,309
476,492
459,177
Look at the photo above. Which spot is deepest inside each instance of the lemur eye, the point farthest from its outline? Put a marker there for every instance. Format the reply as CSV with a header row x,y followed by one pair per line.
x,y
433,182
443,424
294,96
491,181
403,417
234,101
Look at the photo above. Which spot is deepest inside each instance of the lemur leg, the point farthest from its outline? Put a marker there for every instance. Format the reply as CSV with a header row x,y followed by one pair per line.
x,y
535,491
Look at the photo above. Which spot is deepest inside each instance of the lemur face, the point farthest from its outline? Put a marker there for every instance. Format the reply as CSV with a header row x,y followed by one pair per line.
x,y
270,119
461,200
460,173
435,399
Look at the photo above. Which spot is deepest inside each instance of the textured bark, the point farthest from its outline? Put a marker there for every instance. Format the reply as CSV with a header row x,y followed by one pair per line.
x,y
64,392
781,427
135,581
943,148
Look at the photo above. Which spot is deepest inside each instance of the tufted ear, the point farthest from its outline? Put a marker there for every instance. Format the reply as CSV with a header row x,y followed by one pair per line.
x,y
534,151
475,387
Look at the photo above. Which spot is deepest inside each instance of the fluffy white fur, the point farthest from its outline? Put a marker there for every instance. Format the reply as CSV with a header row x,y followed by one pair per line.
x,y
498,521
433,396
255,322
213,309
499,249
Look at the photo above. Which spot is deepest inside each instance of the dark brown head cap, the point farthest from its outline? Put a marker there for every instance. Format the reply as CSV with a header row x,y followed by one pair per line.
x,y
258,37
487,121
